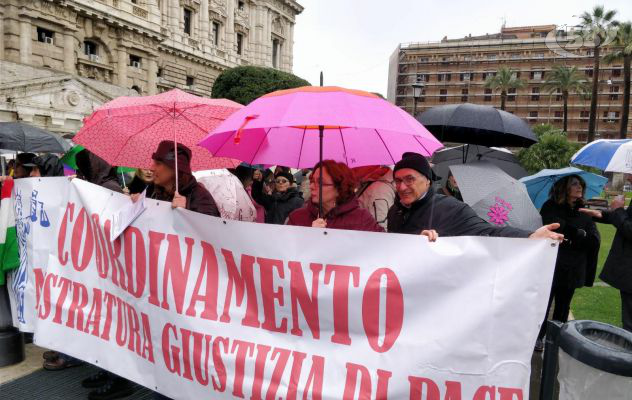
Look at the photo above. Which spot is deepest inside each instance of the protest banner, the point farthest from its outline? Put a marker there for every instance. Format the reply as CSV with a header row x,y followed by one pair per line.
x,y
199,307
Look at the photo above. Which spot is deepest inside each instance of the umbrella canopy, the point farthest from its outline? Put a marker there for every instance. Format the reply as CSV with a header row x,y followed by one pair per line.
x,y
539,185
127,130
23,137
476,124
607,155
70,160
495,196
229,194
282,128
502,158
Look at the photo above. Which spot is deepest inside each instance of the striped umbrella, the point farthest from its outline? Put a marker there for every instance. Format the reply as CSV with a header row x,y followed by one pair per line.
x,y
607,155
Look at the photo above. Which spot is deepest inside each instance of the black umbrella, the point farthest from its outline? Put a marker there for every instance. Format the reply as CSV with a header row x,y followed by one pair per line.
x,y
23,137
502,158
476,124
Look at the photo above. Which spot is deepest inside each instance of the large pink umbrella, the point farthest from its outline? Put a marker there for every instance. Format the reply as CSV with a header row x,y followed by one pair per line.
x,y
282,128
127,130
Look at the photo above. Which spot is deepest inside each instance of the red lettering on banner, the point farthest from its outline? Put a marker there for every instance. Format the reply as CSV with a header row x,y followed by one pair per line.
x,y
315,379
452,390
114,251
350,385
178,273
137,265
240,280
155,241
61,236
186,358
45,308
382,383
299,296
295,374
394,318
99,245
483,391
82,233
417,388
134,330
342,275
170,353
260,367
202,378
508,393
94,317
209,276
269,295
79,301
65,284
243,349
121,323
148,347
39,285
220,384
110,299
279,369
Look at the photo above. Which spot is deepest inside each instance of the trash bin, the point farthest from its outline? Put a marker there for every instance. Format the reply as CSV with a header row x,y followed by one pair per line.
x,y
595,361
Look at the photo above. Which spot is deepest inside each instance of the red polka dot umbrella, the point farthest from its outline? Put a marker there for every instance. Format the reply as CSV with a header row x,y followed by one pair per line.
x,y
127,130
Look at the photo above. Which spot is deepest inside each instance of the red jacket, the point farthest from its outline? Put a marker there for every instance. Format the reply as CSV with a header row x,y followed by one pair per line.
x,y
345,216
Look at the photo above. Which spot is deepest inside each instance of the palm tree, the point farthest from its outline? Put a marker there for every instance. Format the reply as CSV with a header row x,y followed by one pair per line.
x,y
624,43
566,80
504,80
597,25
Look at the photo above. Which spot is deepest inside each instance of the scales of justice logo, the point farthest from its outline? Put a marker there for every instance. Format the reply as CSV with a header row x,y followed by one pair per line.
x,y
24,225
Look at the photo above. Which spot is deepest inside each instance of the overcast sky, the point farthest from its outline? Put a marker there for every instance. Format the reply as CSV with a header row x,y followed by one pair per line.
x,y
352,40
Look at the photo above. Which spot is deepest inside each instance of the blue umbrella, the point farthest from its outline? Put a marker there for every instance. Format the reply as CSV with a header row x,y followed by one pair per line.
x,y
613,155
539,185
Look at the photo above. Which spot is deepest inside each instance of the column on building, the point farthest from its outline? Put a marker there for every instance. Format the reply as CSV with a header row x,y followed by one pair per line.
x,y
25,42
174,15
267,38
204,23
289,45
69,53
152,75
257,32
123,59
230,27
2,34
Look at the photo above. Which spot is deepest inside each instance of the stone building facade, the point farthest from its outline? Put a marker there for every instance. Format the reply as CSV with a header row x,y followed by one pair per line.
x,y
454,71
119,47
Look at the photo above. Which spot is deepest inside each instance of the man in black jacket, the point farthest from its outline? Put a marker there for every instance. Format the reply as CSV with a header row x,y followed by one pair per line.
x,y
419,210
617,271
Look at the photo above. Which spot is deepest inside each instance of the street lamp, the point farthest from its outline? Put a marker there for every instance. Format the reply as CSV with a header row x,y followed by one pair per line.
x,y
417,91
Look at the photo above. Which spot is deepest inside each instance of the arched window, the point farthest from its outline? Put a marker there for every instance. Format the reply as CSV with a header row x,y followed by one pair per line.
x,y
137,89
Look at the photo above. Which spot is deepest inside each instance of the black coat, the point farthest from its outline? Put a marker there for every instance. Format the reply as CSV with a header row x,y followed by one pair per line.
x,y
446,215
198,198
278,205
576,264
617,270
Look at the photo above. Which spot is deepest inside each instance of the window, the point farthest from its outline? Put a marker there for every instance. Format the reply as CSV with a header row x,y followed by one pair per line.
x,y
535,94
45,36
187,21
558,95
610,116
240,43
558,115
515,55
464,95
536,75
467,58
422,59
491,56
515,74
465,77
616,72
444,77
511,94
590,52
445,60
538,55
589,72
137,89
533,115
614,90
443,93
487,75
215,33
276,52
584,115
134,61
241,5
488,95
91,50
422,78
159,72
190,81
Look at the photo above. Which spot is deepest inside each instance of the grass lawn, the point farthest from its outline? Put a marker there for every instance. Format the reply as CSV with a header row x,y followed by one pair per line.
x,y
599,303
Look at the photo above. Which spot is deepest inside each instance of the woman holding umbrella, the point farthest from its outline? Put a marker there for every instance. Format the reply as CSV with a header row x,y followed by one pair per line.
x,y
341,209
577,257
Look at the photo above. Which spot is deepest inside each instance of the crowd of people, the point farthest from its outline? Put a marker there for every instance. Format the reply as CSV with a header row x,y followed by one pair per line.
x,y
377,198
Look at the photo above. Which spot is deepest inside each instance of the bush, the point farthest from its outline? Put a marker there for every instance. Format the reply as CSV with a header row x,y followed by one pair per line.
x,y
244,84
553,150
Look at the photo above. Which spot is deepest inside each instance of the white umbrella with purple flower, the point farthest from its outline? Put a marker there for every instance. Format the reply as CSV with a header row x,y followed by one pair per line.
x,y
495,196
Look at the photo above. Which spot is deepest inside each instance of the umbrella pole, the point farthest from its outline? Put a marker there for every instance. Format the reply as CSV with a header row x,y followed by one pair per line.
x,y
321,128
175,149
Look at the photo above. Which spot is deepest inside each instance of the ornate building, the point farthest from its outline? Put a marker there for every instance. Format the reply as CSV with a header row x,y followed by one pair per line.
x,y
455,71
60,58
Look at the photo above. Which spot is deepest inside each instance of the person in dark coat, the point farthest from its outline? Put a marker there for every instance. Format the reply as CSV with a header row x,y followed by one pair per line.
x,y
190,194
46,165
94,169
617,270
282,201
576,263
419,210
341,208
142,178
21,171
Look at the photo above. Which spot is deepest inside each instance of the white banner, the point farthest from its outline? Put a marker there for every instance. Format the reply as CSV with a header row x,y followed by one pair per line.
x,y
199,307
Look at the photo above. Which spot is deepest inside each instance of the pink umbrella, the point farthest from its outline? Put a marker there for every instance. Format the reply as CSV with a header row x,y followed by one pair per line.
x,y
282,128
127,130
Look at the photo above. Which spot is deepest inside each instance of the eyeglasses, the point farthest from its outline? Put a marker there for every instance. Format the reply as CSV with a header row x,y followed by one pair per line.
x,y
407,180
281,181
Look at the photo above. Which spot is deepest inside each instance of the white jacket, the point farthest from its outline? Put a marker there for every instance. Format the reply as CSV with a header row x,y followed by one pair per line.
x,y
377,196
